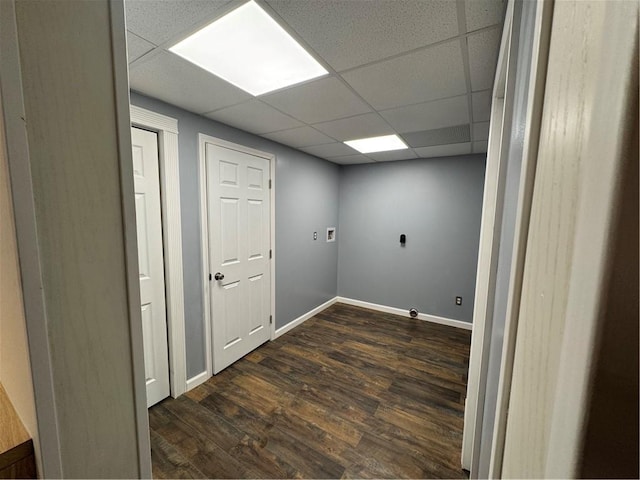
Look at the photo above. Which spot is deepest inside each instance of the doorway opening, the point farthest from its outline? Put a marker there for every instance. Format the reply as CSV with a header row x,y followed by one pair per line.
x,y
165,131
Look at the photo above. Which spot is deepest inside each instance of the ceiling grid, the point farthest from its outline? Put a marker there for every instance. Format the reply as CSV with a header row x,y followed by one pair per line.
x,y
462,24
329,68
415,68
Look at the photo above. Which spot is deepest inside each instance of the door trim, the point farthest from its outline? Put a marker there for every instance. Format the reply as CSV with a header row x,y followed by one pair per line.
x,y
167,130
501,109
48,445
537,78
203,140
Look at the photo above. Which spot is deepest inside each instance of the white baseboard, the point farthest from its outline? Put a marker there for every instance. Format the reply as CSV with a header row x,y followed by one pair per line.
x,y
193,382
405,313
204,376
302,318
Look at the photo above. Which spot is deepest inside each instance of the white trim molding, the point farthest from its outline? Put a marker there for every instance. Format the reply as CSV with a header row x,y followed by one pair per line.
x,y
198,379
371,306
167,129
156,121
490,228
534,102
303,318
204,249
48,444
405,313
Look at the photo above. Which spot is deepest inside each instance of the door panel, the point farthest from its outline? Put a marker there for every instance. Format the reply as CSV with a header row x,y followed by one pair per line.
x,y
147,338
256,228
238,204
255,302
151,263
228,225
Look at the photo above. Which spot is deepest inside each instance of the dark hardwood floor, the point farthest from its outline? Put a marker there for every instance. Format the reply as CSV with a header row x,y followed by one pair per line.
x,y
351,393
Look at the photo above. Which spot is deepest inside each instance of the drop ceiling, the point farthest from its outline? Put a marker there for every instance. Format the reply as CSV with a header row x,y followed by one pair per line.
x,y
422,69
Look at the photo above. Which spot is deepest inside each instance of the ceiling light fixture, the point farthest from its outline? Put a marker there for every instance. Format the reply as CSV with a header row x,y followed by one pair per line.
x,y
377,144
248,48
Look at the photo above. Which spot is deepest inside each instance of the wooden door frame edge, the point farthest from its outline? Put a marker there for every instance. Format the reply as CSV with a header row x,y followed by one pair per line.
x,y
538,74
18,157
593,256
123,120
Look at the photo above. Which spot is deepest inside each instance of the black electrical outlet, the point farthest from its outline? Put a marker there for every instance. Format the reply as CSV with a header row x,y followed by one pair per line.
x,y
403,239
458,300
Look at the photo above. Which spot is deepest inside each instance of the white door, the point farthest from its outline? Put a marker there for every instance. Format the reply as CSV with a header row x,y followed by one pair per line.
x,y
238,217
151,263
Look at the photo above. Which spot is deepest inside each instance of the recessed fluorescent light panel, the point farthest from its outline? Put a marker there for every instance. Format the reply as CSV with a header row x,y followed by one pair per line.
x,y
248,48
377,144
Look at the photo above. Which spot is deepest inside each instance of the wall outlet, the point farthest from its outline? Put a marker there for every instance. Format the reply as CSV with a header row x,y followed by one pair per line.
x,y
315,235
458,300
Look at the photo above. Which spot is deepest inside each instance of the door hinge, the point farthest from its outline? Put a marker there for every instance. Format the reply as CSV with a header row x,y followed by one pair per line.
x,y
270,319
269,184
209,277
270,253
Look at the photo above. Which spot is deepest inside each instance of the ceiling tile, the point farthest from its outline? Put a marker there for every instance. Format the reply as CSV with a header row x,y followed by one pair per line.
x,y
352,128
481,102
351,33
425,116
480,131
429,74
255,117
160,20
438,136
300,137
137,47
318,101
483,58
168,77
392,155
351,159
480,147
483,13
444,150
330,150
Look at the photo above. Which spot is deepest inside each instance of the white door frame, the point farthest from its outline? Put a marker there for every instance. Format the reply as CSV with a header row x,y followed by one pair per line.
x,y
203,140
167,130
492,203
123,119
29,249
478,360
18,158
587,118
537,80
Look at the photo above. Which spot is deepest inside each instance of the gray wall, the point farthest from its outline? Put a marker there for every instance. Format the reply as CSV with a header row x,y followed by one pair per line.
x,y
437,203
306,201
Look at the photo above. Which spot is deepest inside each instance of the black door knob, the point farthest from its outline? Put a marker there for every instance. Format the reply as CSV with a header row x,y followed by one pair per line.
x,y
218,276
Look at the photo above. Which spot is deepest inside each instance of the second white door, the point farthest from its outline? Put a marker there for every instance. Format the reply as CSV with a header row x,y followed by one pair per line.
x,y
151,263
238,218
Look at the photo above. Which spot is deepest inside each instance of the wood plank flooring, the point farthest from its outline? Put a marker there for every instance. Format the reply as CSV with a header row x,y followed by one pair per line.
x,y
351,393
